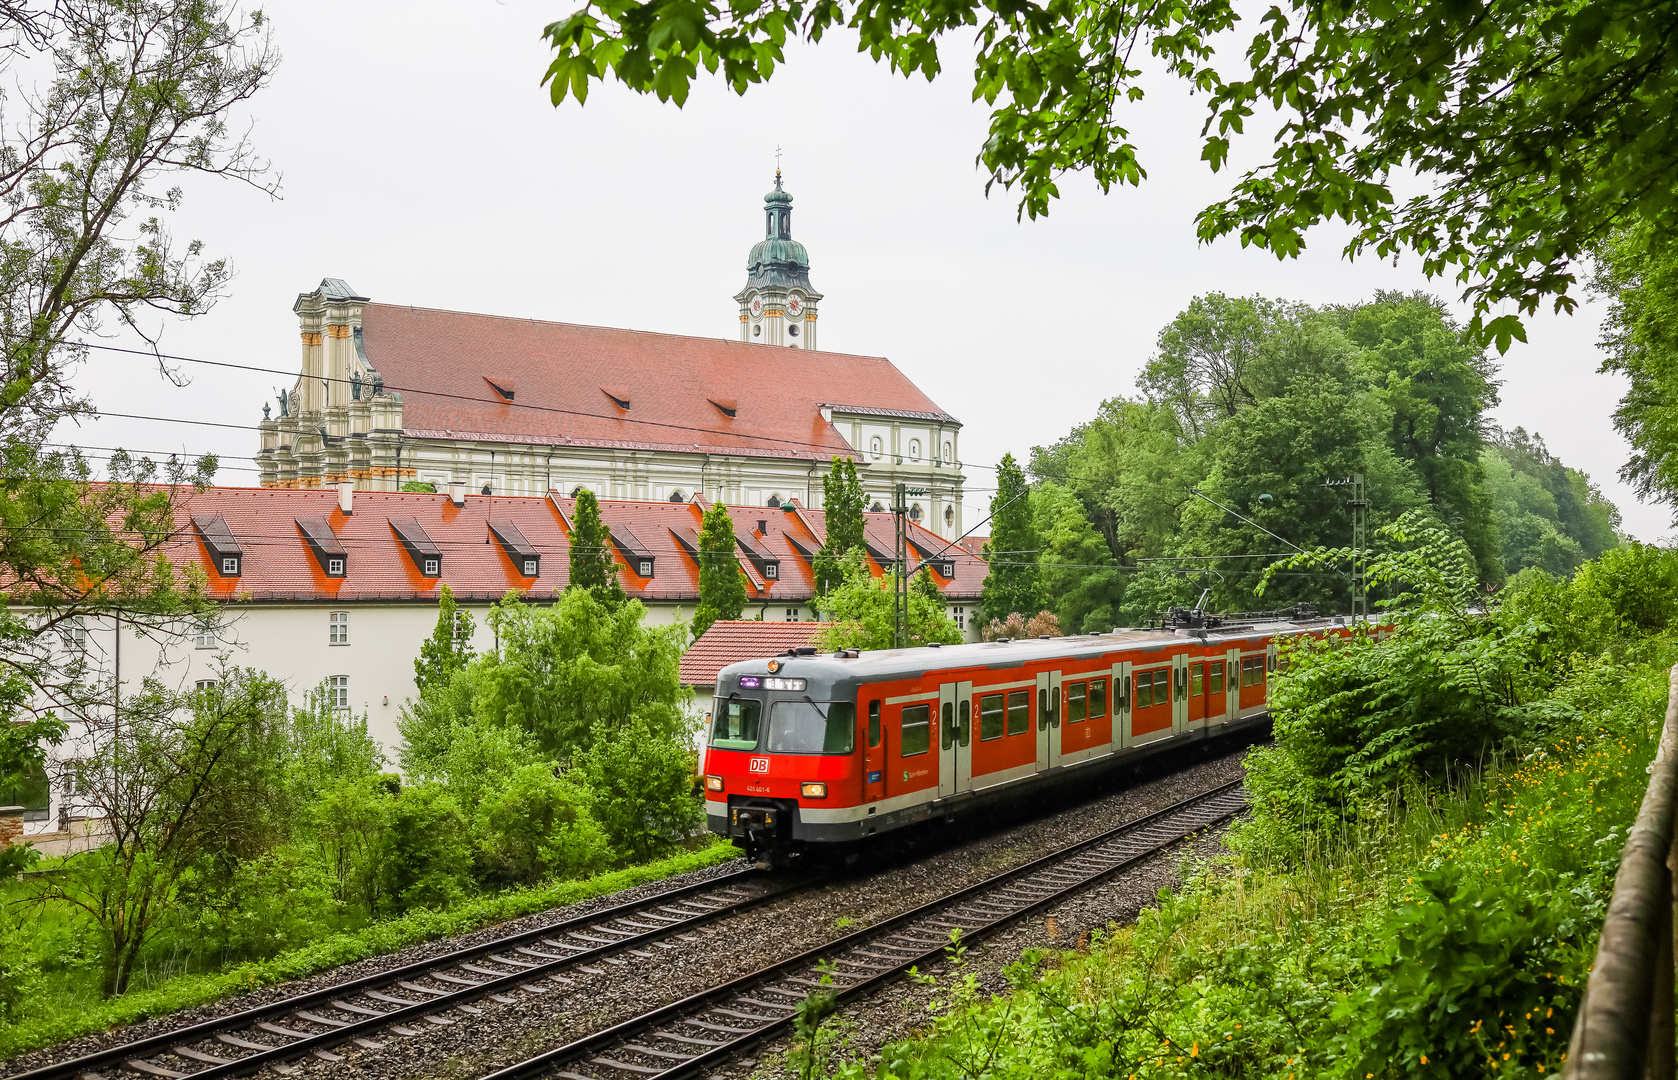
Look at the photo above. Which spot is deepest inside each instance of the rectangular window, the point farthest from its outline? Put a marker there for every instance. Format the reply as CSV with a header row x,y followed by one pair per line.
x,y
734,724
1144,689
432,566
75,635
990,717
338,628
1098,698
646,569
335,568
947,728
530,567
204,684
771,571
1196,679
1077,702
916,731
1216,681
230,564
959,614
461,633
204,637
811,727
338,691
964,725
873,724
1019,711
792,614
1252,671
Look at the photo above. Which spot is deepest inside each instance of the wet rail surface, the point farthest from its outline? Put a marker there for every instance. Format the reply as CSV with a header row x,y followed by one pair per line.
x,y
698,1032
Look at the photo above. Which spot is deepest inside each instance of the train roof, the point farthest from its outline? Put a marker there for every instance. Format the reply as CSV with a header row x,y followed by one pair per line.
x,y
873,664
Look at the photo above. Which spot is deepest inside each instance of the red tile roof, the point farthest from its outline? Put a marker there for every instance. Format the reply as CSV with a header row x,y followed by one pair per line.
x,y
571,380
477,542
729,641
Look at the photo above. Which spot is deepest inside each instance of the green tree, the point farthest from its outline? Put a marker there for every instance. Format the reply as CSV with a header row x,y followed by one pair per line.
x,y
842,509
536,825
1081,582
1464,97
863,615
449,648
722,585
1437,386
592,566
565,675
428,850
188,784
1011,586
120,100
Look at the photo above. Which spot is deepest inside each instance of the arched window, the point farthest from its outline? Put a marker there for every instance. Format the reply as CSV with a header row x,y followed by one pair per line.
x,y
914,449
875,447
677,496
487,490
774,501
949,452
877,508
577,491
915,512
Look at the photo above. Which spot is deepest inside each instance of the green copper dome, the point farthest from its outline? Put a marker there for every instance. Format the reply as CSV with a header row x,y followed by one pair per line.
x,y
778,260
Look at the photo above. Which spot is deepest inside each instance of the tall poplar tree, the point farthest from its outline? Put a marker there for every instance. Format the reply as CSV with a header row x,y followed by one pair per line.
x,y
448,648
1012,584
722,587
592,565
842,502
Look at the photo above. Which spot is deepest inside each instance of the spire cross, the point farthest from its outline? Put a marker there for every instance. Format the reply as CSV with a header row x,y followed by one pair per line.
x,y
777,166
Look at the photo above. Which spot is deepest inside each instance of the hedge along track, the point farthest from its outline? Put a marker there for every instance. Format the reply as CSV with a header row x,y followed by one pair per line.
x,y
699,1032
421,992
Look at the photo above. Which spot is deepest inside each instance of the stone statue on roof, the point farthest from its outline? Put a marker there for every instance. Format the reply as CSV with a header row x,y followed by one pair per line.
x,y
284,412
355,386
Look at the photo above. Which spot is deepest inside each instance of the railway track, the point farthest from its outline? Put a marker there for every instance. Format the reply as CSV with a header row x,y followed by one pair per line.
x,y
438,991
700,1031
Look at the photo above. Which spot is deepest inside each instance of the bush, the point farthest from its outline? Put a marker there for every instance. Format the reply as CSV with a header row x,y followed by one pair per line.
x,y
534,826
428,850
643,783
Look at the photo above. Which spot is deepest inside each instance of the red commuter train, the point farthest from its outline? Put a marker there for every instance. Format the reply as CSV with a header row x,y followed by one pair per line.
x,y
808,749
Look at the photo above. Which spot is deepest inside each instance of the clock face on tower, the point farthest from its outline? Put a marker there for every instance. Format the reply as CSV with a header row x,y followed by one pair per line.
x,y
795,306
757,306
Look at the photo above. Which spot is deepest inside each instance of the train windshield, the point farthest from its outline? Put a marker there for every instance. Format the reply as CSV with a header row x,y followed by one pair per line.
x,y
734,724
812,727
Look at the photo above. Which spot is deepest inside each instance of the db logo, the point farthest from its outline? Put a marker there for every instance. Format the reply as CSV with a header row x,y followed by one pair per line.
x,y
760,764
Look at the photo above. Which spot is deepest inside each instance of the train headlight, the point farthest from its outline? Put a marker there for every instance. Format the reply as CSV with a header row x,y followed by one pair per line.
x,y
713,783
817,790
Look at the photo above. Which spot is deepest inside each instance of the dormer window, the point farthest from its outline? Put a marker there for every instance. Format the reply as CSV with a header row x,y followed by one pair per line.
x,y
224,550
947,569
328,550
522,552
230,566
646,568
335,568
426,556
530,566
771,571
432,567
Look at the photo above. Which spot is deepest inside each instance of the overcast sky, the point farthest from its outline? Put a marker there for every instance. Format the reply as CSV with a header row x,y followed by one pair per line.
x,y
422,162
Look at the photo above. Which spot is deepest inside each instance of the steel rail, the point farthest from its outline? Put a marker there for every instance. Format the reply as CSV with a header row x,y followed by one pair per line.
x,y
664,913
702,1029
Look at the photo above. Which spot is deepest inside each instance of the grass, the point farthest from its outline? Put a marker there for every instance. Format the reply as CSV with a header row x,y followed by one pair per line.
x,y
67,1009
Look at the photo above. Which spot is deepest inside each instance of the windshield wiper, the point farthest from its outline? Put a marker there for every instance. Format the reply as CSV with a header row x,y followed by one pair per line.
x,y
812,703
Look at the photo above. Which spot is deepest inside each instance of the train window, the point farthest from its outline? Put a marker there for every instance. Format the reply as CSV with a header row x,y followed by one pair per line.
x,y
735,726
811,727
964,726
990,717
1215,680
1144,689
916,737
1019,711
873,724
1098,698
1252,671
1077,702
947,729
1195,679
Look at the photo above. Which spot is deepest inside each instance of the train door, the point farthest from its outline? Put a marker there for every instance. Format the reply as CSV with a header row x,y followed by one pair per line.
x,y
955,738
1121,705
874,755
1232,683
1179,693
1048,719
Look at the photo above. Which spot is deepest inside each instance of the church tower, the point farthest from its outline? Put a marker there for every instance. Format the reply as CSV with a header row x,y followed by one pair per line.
x,y
778,304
